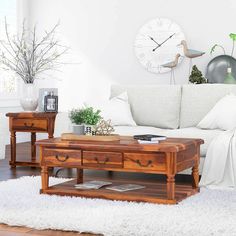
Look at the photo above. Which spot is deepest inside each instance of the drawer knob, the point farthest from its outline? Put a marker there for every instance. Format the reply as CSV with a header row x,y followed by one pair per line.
x,y
101,162
30,126
62,159
144,165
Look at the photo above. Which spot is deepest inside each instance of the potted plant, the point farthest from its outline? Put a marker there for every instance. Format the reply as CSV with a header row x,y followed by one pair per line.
x,y
84,120
28,56
196,76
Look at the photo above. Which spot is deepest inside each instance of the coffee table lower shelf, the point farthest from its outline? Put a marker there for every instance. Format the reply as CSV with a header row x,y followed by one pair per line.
x,y
153,192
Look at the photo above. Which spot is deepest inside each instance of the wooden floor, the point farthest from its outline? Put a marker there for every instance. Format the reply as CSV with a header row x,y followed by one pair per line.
x,y
23,151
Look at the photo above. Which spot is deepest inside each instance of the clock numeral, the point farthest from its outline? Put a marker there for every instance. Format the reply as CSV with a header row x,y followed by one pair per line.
x,y
149,65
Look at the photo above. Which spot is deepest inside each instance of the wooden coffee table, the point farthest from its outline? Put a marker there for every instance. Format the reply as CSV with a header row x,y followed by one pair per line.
x,y
168,158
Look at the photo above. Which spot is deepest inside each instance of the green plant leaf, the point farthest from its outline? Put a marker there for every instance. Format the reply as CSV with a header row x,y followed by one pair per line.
x,y
85,115
213,48
232,36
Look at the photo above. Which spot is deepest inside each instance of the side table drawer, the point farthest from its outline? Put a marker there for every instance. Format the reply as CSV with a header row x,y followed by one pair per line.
x,y
156,162
30,124
102,159
61,157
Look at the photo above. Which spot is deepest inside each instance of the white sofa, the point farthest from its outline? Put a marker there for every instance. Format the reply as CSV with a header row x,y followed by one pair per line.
x,y
172,110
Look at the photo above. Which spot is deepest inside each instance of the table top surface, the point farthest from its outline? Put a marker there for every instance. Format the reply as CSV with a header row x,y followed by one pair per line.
x,y
127,143
31,114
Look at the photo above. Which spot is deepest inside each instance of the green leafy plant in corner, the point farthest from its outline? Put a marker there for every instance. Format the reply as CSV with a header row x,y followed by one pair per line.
x,y
233,37
196,76
86,115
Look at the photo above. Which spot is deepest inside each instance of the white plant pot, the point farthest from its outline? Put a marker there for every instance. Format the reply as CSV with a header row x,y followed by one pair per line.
x,y
78,129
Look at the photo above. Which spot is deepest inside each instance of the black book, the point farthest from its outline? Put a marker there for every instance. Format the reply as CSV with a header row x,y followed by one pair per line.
x,y
149,137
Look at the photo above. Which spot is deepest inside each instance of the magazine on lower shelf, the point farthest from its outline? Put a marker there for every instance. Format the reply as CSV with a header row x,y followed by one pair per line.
x,y
125,187
92,184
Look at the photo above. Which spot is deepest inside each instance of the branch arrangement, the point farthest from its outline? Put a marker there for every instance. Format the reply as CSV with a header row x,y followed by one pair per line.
x,y
29,56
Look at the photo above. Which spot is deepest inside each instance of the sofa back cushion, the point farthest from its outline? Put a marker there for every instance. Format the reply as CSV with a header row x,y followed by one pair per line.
x,y
153,105
198,100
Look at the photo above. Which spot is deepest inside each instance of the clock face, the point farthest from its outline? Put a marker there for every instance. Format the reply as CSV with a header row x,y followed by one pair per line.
x,y
157,43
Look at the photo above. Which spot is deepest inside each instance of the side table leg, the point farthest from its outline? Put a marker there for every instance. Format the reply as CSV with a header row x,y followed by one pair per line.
x,y
50,135
13,150
80,173
44,178
33,147
170,187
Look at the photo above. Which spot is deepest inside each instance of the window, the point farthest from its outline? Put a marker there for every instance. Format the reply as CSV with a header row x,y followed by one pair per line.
x,y
8,81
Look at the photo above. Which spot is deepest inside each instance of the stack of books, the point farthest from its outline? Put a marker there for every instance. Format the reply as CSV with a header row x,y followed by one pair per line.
x,y
149,138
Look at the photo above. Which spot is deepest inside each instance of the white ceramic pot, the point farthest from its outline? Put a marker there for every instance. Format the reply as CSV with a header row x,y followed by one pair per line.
x,y
29,97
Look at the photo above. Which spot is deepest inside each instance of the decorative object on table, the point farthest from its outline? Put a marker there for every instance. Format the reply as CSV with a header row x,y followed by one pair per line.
x,y
86,117
101,138
28,97
104,128
196,76
156,44
42,93
51,102
216,71
229,79
172,65
190,53
29,56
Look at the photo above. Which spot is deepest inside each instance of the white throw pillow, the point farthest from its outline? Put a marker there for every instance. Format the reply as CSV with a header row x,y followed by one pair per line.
x,y
222,115
117,110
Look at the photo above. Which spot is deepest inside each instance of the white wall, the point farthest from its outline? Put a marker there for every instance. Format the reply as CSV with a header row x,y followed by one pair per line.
x,y
101,35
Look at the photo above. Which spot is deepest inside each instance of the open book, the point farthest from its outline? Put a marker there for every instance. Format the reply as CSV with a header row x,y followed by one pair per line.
x,y
125,187
92,184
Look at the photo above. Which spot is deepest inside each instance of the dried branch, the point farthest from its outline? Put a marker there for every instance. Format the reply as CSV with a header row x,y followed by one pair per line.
x,y
27,56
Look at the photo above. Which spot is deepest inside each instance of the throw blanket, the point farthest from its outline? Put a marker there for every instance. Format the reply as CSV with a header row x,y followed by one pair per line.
x,y
219,169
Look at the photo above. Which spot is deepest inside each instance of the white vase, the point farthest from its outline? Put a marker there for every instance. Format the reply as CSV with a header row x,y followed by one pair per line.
x,y
29,97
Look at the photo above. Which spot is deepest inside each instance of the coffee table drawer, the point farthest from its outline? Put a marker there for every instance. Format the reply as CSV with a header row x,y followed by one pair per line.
x,y
102,159
30,124
61,157
137,161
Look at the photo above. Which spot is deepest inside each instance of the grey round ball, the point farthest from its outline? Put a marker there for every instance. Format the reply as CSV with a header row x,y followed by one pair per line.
x,y
217,68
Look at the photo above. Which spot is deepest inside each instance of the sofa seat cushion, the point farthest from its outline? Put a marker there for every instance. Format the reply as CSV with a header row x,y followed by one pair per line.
x,y
153,105
192,132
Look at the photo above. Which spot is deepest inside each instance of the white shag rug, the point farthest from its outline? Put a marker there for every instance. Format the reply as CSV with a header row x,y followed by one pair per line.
x,y
211,212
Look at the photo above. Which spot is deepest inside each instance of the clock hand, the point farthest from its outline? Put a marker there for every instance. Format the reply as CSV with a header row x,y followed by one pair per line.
x,y
163,42
153,40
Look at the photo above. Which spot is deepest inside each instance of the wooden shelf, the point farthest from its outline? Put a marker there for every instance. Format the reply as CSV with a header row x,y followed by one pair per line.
x,y
153,192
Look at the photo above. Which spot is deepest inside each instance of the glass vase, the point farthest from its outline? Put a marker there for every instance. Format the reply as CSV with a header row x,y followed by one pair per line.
x,y
29,97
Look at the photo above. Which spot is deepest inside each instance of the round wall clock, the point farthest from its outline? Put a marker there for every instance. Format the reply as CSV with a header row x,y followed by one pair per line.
x,y
157,43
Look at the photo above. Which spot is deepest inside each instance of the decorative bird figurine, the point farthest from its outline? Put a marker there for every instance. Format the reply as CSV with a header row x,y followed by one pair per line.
x,y
190,53
172,65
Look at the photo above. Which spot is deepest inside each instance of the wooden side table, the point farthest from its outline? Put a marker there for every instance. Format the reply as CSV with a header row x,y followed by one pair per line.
x,y
32,122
